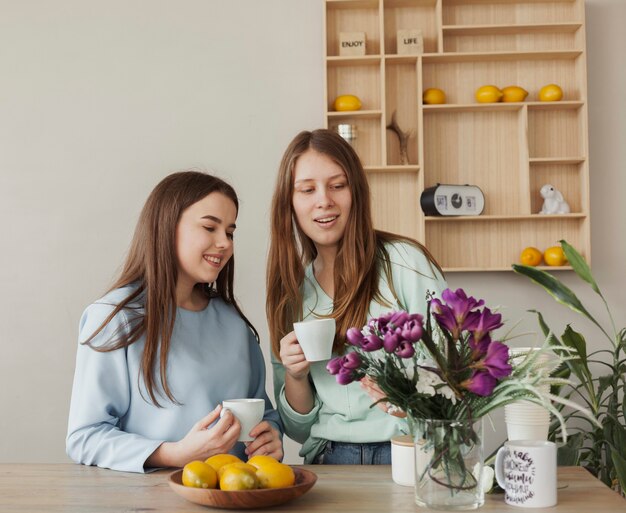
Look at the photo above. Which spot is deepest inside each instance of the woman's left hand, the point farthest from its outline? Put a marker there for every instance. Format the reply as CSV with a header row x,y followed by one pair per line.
x,y
266,441
372,389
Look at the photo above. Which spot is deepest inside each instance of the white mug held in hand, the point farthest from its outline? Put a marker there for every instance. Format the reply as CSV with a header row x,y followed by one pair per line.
x,y
316,338
526,470
249,412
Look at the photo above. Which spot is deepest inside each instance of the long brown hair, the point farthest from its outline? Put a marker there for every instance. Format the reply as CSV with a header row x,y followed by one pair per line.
x,y
361,253
152,266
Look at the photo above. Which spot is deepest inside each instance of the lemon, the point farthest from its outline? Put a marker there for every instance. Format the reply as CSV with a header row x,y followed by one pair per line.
x,y
260,460
234,478
554,256
219,460
198,474
347,102
514,94
530,256
237,464
488,94
550,93
434,96
275,475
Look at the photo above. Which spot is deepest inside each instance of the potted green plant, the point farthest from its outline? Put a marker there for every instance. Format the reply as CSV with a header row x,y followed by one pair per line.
x,y
601,449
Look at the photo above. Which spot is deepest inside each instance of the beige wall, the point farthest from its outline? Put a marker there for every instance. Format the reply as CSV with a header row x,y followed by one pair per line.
x,y
100,100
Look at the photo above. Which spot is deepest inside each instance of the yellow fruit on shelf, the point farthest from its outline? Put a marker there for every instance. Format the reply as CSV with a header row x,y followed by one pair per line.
x,y
347,102
514,94
275,475
488,94
433,96
236,478
530,256
554,256
550,93
219,460
198,474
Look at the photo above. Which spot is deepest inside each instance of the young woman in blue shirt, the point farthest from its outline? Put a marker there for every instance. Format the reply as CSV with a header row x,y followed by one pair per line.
x,y
168,343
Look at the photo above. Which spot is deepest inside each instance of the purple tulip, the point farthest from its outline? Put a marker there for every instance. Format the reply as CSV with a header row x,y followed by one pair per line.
x,y
484,324
334,365
497,360
354,337
391,341
351,361
456,314
345,376
405,349
398,319
371,343
413,330
481,383
479,348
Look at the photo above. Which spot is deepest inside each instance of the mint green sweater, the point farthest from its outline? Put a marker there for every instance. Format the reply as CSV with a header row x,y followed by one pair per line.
x,y
343,413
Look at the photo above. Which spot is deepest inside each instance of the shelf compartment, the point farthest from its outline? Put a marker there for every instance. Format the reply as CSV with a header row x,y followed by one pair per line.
x,y
368,141
554,133
566,177
482,148
485,38
399,188
401,98
362,80
496,244
410,15
460,78
353,16
501,12
373,114
490,218
472,107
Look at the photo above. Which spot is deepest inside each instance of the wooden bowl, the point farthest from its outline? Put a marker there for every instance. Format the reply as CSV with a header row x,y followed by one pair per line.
x,y
244,499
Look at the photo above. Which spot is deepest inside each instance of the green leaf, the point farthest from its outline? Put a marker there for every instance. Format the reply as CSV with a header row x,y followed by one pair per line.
x,y
580,266
567,454
619,462
556,289
579,366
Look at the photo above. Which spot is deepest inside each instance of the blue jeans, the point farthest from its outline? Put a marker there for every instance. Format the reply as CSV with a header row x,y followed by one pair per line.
x,y
343,453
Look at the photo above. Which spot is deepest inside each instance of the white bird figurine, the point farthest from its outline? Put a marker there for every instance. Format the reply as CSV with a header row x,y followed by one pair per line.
x,y
553,202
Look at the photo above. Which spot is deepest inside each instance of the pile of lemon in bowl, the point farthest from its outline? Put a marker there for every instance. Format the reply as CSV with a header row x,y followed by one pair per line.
x,y
228,472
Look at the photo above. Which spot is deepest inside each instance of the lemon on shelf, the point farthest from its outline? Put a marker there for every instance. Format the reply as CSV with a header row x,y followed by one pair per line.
x,y
530,256
488,94
514,94
347,102
433,96
550,93
554,256
199,474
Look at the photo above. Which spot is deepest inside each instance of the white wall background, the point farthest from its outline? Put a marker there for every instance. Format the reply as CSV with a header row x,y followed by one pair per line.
x,y
100,100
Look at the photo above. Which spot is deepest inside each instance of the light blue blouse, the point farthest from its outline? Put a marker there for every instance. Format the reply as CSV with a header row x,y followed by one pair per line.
x,y
112,422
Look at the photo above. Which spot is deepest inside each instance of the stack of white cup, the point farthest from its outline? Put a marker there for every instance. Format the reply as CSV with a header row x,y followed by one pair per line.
x,y
525,420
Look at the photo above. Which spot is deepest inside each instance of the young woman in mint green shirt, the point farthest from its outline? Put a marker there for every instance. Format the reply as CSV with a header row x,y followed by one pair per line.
x,y
327,260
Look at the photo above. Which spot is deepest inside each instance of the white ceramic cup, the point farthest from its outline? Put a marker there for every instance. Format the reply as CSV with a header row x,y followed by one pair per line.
x,y
249,412
403,460
316,338
526,470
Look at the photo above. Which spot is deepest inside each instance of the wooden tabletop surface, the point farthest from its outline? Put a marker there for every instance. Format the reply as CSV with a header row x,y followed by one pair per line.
x,y
36,488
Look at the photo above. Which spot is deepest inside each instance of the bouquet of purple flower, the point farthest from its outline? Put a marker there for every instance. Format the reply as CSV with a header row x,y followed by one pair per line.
x,y
446,366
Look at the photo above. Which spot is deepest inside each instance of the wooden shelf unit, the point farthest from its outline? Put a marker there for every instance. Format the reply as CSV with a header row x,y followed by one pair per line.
x,y
509,150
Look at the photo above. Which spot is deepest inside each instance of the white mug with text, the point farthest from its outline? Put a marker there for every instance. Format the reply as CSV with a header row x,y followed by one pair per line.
x,y
526,470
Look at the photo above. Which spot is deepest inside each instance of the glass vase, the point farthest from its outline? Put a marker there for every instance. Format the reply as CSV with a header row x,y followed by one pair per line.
x,y
448,463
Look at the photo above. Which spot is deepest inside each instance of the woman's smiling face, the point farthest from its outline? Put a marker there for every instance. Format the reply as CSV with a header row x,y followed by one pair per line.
x,y
204,238
321,198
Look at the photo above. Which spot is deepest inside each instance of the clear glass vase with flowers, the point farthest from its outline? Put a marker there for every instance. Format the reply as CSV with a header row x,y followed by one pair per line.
x,y
446,370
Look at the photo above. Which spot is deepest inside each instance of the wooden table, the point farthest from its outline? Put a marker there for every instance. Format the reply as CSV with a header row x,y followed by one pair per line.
x,y
75,488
